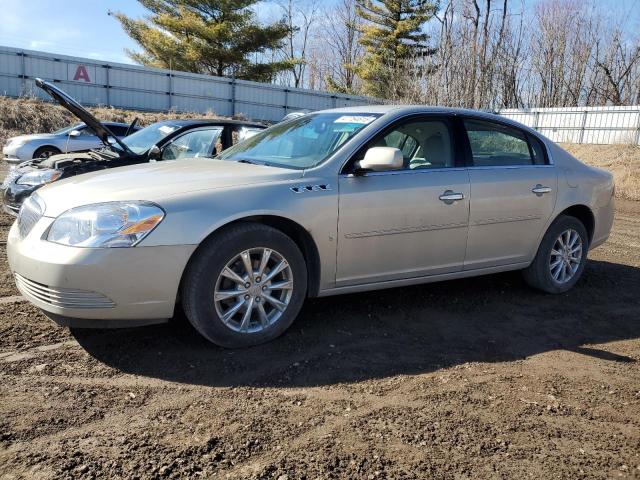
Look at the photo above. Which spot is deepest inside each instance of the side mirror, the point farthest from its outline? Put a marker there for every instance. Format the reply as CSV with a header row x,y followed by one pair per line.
x,y
75,133
155,153
380,159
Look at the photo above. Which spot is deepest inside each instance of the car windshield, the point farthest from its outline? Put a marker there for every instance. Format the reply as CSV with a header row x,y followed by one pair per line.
x,y
301,143
143,140
65,130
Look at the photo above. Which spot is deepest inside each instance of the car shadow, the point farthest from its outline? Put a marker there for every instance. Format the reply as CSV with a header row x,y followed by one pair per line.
x,y
401,331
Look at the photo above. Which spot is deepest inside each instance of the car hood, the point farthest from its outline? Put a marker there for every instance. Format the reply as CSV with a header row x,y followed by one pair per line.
x,y
156,182
79,111
35,136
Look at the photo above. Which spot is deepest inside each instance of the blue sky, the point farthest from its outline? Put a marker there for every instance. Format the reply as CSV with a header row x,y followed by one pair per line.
x,y
83,28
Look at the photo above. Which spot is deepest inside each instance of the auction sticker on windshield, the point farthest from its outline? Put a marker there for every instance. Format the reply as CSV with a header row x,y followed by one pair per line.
x,y
359,119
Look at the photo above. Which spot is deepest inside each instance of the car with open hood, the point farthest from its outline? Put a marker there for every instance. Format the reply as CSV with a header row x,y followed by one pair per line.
x,y
337,201
166,140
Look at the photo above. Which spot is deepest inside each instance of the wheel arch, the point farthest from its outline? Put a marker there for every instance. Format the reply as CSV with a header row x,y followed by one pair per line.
x,y
301,237
43,147
584,214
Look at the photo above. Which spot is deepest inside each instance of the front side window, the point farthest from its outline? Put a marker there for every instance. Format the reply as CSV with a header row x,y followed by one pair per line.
x,y
301,143
198,143
424,143
86,132
496,145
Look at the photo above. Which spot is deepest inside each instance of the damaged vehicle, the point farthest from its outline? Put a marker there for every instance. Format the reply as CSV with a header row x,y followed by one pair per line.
x,y
166,140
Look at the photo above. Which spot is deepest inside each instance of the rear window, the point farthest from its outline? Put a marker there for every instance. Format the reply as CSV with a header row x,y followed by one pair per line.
x,y
496,145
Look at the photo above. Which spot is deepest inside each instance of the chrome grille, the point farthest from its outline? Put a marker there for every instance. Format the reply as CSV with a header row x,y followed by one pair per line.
x,y
62,297
30,212
9,179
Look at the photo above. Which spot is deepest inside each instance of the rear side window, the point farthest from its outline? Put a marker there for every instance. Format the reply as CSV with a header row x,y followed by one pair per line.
x,y
495,145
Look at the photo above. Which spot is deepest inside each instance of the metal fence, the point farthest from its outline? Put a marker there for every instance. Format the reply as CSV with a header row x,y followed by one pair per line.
x,y
93,82
599,125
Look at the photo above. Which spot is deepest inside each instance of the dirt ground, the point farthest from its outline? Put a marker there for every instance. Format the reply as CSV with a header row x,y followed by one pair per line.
x,y
476,378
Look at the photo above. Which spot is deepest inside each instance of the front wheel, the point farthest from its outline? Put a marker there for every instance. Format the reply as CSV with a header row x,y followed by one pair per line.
x,y
245,286
45,152
561,257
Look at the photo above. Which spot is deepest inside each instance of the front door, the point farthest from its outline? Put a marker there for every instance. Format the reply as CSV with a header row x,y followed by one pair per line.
x,y
513,190
405,223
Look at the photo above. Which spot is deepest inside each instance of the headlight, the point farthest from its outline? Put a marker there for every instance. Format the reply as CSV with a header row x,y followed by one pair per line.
x,y
114,224
16,143
39,177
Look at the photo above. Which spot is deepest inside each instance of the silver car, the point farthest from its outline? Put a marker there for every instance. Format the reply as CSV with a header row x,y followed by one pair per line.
x,y
337,201
75,138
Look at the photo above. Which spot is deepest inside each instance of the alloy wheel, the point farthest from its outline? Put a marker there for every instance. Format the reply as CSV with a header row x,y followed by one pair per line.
x,y
253,290
566,256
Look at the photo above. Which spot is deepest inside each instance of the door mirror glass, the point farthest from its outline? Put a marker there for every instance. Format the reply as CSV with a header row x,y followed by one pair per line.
x,y
380,159
154,152
75,133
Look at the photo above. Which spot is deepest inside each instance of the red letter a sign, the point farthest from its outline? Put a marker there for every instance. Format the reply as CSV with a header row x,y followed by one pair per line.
x,y
82,74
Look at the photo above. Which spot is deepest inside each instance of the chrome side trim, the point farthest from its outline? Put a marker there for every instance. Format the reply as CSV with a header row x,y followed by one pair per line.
x,y
415,171
508,167
396,231
492,221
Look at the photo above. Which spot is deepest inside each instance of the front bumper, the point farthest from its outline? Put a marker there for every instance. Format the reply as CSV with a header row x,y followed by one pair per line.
x,y
13,195
122,286
14,155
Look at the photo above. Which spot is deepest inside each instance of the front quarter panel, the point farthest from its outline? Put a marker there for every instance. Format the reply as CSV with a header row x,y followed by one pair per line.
x,y
193,217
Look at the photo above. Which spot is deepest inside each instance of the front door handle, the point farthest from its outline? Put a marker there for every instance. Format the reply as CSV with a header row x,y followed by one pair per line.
x,y
540,190
450,196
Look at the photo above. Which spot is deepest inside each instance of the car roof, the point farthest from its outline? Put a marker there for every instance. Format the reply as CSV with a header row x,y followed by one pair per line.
x,y
409,109
384,109
211,121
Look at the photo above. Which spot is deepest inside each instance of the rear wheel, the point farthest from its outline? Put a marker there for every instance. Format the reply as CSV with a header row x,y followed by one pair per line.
x,y
561,256
245,286
45,152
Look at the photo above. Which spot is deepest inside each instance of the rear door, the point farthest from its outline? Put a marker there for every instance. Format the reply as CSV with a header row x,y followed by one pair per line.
x,y
513,193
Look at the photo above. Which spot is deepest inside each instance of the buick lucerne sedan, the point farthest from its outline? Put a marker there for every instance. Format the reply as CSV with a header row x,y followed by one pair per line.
x,y
337,201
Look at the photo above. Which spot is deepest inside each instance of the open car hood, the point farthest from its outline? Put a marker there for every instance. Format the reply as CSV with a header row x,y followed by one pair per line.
x,y
79,111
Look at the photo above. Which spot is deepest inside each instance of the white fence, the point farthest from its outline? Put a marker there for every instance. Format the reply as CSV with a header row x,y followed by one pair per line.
x,y
93,82
602,125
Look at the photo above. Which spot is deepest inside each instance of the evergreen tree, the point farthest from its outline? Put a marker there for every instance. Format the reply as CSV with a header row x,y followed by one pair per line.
x,y
217,37
394,42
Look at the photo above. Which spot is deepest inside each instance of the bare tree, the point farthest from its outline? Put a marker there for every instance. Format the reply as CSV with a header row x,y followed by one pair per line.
x,y
340,46
618,63
300,16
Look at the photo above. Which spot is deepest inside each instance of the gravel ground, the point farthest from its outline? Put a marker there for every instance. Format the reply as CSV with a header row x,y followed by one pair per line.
x,y
476,378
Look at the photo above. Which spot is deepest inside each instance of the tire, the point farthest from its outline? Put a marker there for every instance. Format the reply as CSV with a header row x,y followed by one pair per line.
x,y
204,286
542,274
45,152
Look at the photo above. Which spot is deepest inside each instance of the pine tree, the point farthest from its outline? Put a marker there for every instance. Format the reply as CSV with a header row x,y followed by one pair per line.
x,y
394,41
217,37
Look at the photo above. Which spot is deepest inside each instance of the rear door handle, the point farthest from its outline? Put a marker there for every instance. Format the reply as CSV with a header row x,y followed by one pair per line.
x,y
540,190
450,196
